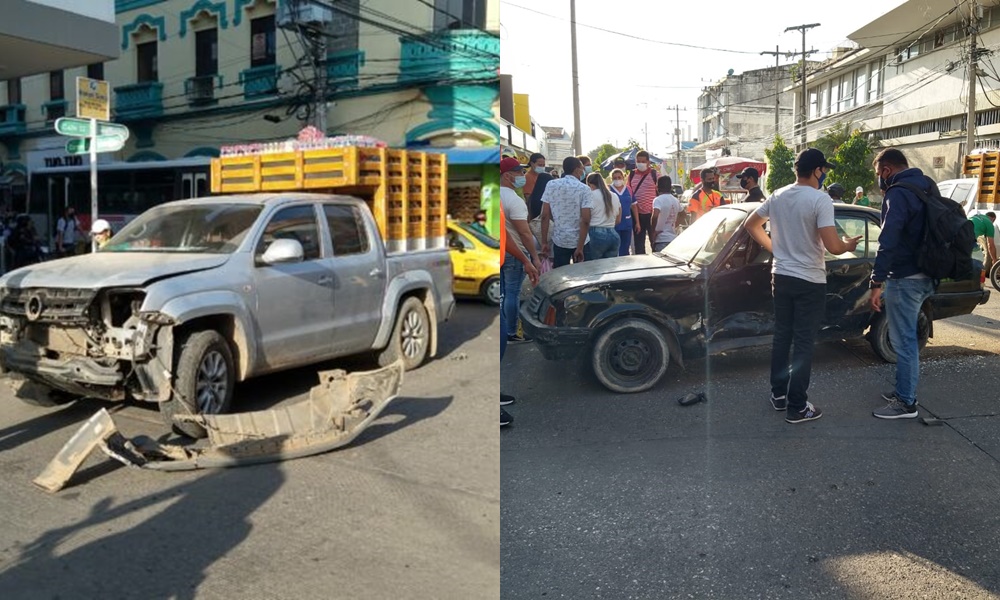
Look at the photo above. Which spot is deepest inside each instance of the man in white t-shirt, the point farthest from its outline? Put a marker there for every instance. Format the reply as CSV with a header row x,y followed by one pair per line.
x,y
515,214
666,210
802,224
66,229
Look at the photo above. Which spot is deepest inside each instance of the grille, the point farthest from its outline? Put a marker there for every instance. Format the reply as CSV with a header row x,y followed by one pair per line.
x,y
535,302
56,304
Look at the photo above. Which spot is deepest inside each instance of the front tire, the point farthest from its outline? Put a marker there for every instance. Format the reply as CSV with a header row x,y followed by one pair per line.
x,y
630,355
491,291
878,337
203,383
995,275
411,336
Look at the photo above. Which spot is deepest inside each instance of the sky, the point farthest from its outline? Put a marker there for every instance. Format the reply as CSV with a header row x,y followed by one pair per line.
x,y
618,98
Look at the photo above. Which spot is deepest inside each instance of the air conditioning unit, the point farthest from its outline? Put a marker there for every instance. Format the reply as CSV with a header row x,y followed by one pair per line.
x,y
303,12
201,90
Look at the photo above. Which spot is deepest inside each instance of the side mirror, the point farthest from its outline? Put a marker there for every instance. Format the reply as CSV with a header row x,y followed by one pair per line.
x,y
283,251
456,244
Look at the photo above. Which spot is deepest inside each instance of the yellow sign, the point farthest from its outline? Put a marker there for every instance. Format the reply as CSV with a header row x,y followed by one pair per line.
x,y
92,99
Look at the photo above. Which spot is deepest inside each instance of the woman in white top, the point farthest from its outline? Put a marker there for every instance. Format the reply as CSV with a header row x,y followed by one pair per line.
x,y
605,214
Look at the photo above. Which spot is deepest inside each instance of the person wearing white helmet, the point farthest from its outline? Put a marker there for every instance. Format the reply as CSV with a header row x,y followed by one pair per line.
x,y
101,232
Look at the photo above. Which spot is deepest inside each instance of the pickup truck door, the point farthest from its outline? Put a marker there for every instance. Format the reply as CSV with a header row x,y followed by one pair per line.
x,y
359,276
294,300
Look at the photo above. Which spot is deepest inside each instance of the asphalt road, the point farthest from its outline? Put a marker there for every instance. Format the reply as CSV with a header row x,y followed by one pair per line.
x,y
409,510
633,496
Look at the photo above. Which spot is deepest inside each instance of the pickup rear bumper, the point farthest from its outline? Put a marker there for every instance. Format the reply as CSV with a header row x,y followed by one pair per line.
x,y
555,343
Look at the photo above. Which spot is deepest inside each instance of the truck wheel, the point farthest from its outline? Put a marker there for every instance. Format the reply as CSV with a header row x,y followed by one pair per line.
x,y
411,336
203,381
995,275
630,356
491,291
878,337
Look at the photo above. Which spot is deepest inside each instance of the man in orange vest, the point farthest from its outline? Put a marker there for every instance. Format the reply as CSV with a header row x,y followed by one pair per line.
x,y
707,198
507,244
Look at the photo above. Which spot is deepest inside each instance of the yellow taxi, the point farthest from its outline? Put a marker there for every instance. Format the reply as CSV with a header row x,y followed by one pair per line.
x,y
475,260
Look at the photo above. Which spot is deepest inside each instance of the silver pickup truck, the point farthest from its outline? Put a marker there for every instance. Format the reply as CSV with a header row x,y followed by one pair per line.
x,y
194,296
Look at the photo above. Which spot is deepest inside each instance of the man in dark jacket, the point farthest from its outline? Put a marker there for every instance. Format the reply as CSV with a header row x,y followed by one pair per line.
x,y
905,287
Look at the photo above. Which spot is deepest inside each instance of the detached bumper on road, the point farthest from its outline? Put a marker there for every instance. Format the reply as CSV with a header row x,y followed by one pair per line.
x,y
555,343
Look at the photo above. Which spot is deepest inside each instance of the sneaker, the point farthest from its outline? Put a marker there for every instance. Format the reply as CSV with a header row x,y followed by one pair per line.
x,y
896,410
809,413
517,339
892,397
505,418
779,403
505,399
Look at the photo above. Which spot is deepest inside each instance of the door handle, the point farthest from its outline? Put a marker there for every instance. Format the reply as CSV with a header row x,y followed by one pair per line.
x,y
376,272
325,280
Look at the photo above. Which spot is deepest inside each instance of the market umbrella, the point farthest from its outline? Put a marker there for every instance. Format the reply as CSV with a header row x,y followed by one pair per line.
x,y
629,156
728,165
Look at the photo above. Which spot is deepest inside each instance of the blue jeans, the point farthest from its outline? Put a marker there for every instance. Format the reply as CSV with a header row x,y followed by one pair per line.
x,y
798,313
625,247
604,242
901,302
511,278
503,325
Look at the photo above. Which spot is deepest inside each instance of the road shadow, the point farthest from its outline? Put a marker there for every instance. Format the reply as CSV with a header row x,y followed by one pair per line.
x,y
412,411
470,320
49,421
166,555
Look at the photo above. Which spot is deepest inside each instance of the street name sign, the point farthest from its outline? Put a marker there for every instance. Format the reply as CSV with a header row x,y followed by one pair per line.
x,y
92,99
74,127
105,143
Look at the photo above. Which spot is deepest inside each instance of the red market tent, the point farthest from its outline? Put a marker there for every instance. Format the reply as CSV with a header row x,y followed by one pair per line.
x,y
728,166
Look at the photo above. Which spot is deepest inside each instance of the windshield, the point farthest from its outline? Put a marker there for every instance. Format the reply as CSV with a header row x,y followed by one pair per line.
x,y
485,239
702,241
213,228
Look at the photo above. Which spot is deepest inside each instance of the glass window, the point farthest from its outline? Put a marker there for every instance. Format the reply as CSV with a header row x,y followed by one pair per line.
x,y
826,99
209,228
847,91
834,96
206,52
860,81
459,14
294,223
347,229
813,109
95,71
146,61
457,240
14,91
56,91
262,41
875,80
850,227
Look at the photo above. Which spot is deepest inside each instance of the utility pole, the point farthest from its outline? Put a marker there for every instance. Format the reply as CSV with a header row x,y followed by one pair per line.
x,y
577,144
677,138
803,117
777,87
970,124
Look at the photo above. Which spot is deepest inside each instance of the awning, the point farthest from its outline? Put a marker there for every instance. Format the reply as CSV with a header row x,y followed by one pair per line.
x,y
469,156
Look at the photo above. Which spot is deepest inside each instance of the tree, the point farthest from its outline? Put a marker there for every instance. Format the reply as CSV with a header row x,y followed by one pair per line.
x,y
832,138
854,159
780,165
601,153
632,143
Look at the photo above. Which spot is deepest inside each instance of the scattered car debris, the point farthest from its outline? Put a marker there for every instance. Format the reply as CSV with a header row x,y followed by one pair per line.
x,y
337,411
692,398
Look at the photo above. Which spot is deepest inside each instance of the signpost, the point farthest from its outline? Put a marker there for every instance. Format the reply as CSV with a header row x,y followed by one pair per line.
x,y
92,105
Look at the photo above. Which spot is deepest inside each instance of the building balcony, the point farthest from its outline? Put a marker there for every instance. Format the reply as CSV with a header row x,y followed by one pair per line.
x,y
342,69
260,82
54,109
139,101
200,91
12,119
454,55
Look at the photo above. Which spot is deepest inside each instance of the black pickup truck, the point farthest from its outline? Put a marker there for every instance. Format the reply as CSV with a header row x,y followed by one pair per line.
x,y
709,292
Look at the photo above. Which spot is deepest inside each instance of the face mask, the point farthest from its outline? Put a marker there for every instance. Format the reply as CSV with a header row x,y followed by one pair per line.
x,y
583,175
883,184
587,170
743,183
539,169
822,177
641,166
519,181
618,183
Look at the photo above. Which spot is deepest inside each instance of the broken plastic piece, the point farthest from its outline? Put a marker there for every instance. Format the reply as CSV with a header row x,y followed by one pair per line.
x,y
337,411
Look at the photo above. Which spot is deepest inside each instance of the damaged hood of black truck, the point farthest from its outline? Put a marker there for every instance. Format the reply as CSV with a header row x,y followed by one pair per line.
x,y
610,271
110,269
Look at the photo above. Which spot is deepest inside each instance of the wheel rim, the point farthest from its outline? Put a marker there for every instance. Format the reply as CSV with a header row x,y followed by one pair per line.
x,y
414,333
212,383
630,358
493,291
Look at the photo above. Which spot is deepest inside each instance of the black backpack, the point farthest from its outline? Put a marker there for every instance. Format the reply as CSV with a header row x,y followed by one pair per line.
x,y
945,252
